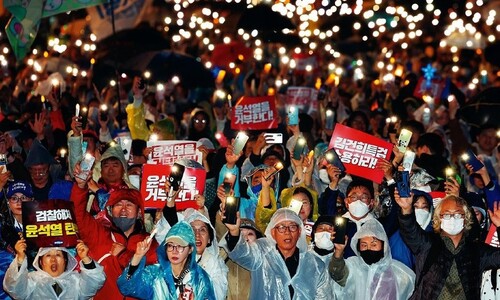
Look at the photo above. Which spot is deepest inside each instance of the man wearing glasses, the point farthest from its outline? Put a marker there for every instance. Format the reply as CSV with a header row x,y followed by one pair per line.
x,y
449,261
359,203
280,264
41,165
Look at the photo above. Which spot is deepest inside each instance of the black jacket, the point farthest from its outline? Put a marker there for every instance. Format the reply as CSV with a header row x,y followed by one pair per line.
x,y
434,260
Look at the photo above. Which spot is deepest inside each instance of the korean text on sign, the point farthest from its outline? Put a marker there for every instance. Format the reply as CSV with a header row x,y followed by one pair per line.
x,y
51,230
50,223
358,153
253,113
153,186
168,152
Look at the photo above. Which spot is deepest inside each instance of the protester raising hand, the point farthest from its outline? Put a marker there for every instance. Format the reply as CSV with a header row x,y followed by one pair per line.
x,y
38,125
452,187
339,248
83,252
405,203
495,214
20,250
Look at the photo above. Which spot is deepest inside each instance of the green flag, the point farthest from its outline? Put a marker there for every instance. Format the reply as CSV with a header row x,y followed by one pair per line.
x,y
22,28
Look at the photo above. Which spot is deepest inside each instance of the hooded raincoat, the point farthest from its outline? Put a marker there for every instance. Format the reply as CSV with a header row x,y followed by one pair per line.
x,y
157,282
100,237
270,276
386,279
210,260
21,284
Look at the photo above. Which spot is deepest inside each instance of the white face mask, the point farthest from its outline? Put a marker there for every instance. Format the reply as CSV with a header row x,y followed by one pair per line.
x,y
423,217
452,226
135,180
323,176
358,208
322,240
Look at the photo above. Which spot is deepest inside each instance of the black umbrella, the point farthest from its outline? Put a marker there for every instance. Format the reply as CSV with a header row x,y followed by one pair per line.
x,y
262,18
483,108
163,65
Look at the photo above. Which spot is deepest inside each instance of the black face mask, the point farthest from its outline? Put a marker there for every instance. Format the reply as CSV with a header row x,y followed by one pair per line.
x,y
124,223
371,256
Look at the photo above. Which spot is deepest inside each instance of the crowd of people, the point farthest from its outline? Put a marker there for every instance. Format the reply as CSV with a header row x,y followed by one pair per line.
x,y
435,243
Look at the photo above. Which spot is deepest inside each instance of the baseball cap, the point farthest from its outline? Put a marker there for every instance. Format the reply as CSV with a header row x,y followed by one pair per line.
x,y
22,187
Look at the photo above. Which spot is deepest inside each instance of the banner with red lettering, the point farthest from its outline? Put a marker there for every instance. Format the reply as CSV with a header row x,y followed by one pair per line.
x,y
49,223
153,186
304,98
168,152
254,113
360,151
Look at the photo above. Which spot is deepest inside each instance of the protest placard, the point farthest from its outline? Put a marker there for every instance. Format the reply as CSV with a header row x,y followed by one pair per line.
x,y
168,152
360,151
304,98
305,62
254,113
153,186
492,237
49,223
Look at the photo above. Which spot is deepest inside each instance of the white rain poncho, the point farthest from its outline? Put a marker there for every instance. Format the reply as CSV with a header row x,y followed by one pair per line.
x,y
21,284
387,279
210,261
270,276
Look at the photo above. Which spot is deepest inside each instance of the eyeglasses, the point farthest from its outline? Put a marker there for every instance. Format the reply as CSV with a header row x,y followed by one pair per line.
x,y
454,216
290,228
178,248
15,199
201,230
197,121
39,173
363,198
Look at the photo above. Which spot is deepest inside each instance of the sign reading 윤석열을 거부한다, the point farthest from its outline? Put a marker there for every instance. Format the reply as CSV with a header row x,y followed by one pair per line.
x,y
254,113
360,151
168,152
153,186
49,223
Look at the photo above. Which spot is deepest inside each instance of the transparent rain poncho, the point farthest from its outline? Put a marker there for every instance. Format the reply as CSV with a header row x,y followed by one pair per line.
x,y
21,284
387,279
270,276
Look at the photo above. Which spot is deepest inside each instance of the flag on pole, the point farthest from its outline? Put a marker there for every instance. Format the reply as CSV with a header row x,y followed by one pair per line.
x,y
127,14
22,27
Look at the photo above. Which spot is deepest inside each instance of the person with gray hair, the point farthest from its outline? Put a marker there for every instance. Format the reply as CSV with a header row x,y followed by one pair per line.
x,y
449,261
280,264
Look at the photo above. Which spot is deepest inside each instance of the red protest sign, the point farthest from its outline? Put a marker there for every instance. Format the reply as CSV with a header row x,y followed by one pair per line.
x,y
434,88
153,186
254,113
168,152
49,223
304,98
360,151
306,62
492,237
